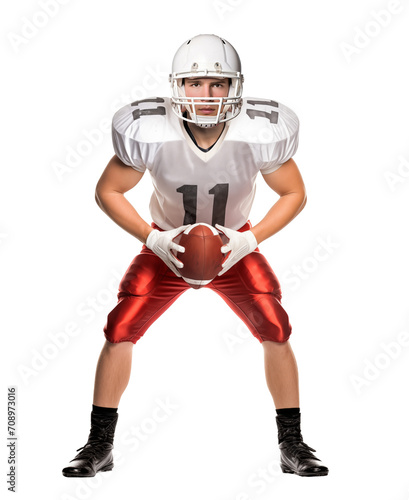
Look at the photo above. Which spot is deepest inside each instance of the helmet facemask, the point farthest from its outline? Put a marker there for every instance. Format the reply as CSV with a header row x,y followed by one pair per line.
x,y
227,107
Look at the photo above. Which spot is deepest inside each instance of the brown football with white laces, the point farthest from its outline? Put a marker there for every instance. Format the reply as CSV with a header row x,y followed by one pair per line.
x,y
202,259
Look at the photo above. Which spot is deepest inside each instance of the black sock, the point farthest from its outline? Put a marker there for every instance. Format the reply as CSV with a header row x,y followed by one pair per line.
x,y
102,410
288,412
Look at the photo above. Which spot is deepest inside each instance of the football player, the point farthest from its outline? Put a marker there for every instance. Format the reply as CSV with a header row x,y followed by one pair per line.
x,y
204,148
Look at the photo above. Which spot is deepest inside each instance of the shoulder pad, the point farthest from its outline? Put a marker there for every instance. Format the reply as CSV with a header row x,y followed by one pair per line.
x,y
144,121
271,130
264,121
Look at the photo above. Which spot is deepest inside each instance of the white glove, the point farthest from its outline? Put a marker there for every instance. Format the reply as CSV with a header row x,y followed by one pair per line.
x,y
239,245
160,242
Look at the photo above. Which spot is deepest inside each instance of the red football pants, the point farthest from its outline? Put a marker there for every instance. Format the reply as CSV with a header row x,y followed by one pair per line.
x,y
149,287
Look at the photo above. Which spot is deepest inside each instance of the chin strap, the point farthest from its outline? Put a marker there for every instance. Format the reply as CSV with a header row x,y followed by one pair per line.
x,y
206,125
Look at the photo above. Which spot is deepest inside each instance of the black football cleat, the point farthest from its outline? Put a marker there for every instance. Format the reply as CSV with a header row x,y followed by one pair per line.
x,y
96,455
296,457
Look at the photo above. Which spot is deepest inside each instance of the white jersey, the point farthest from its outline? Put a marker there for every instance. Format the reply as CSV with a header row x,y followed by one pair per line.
x,y
217,186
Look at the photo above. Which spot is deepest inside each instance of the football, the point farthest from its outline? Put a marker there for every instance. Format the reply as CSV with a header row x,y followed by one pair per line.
x,y
202,258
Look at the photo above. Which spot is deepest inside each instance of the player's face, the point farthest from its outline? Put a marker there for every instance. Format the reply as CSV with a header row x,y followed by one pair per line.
x,y
206,87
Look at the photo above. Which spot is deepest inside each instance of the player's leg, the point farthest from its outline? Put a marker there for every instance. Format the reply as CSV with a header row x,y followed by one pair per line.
x,y
282,380
281,373
112,373
111,378
148,288
252,290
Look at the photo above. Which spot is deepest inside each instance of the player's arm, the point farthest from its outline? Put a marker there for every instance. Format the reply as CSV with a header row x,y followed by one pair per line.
x,y
116,180
288,184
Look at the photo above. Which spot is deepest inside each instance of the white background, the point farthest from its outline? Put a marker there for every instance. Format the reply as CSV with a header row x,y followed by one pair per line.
x,y
62,258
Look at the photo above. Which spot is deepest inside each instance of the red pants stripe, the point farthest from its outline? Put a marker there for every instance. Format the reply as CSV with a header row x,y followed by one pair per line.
x,y
149,287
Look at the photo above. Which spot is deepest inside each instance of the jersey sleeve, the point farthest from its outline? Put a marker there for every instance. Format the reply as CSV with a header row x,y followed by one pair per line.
x,y
285,144
125,145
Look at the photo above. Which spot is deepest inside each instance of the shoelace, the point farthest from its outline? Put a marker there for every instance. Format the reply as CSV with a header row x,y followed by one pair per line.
x,y
89,450
100,432
301,450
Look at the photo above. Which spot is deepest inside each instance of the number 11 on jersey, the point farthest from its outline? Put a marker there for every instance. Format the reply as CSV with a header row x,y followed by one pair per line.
x,y
220,193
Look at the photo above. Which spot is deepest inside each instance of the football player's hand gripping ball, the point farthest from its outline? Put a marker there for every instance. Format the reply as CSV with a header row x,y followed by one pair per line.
x,y
161,243
239,245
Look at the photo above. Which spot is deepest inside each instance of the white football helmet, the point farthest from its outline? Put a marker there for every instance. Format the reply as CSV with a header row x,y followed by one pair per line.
x,y
206,56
